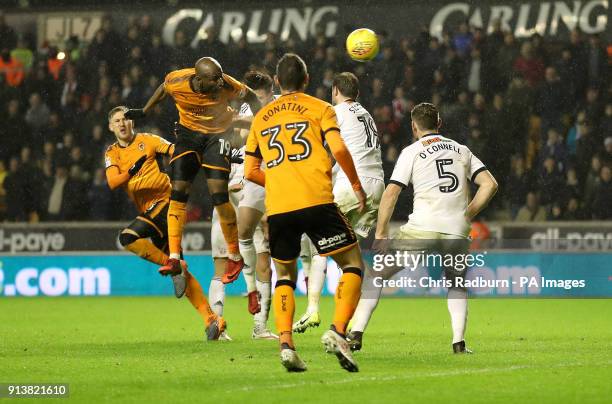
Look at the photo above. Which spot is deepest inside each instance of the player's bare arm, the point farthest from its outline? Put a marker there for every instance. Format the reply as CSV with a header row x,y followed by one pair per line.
x,y
387,206
487,187
253,171
158,95
343,157
251,98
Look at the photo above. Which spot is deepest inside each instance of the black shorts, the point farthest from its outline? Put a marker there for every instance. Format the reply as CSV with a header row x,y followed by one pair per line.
x,y
212,150
153,224
325,225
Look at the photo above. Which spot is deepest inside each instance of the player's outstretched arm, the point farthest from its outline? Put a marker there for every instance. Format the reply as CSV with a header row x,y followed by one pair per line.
x,y
253,171
345,160
385,210
115,178
157,96
251,99
487,187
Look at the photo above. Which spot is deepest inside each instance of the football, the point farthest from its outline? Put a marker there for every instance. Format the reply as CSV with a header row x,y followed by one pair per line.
x,y
362,45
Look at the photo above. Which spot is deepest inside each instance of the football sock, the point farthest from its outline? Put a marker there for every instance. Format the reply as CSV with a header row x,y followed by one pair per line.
x,y
346,298
457,307
196,296
145,249
265,292
176,221
227,219
284,309
316,279
216,293
247,250
367,305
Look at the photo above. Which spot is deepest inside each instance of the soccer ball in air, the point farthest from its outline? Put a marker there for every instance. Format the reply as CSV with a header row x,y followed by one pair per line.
x,y
362,44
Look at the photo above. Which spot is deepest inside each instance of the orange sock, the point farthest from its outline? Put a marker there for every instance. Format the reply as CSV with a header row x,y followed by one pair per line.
x,y
196,296
284,309
145,249
229,227
176,221
346,298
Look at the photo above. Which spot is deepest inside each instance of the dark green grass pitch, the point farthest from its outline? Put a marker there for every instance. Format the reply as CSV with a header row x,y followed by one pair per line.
x,y
152,350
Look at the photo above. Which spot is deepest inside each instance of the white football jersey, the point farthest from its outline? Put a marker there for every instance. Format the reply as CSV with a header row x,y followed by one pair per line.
x,y
360,135
440,170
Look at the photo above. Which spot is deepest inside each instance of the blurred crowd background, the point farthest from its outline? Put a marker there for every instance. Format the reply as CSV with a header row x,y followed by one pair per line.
x,y
537,112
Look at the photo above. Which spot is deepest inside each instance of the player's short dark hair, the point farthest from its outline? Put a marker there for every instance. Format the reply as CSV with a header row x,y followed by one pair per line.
x,y
291,72
425,115
118,108
257,80
347,83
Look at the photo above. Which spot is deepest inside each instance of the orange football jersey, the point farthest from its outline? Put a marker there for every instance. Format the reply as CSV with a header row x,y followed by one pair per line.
x,y
149,185
288,134
203,113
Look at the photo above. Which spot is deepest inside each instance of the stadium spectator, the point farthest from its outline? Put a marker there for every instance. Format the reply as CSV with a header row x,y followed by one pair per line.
x,y
529,65
58,204
12,68
37,116
551,101
555,149
518,186
8,37
550,182
602,208
14,187
532,211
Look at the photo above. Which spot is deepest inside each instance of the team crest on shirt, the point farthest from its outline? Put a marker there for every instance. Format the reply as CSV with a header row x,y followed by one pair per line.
x,y
427,142
141,146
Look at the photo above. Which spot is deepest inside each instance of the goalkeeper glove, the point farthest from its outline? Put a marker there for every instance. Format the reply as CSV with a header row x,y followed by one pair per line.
x,y
134,114
137,166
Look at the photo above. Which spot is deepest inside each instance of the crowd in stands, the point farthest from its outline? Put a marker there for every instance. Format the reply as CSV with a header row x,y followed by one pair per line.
x,y
537,111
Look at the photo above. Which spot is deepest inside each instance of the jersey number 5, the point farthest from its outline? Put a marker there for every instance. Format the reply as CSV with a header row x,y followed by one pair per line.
x,y
440,163
297,139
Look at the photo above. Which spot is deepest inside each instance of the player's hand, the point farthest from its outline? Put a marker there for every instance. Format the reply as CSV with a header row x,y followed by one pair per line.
x,y
137,166
381,245
361,197
134,114
236,157
236,187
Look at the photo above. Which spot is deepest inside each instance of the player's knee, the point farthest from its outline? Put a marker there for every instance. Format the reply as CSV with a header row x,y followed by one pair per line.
x,y
285,282
220,198
127,238
179,196
353,270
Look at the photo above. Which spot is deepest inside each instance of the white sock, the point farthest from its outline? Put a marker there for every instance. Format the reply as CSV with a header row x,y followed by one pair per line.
x,y
265,291
316,279
216,295
457,307
249,255
367,304
175,256
305,256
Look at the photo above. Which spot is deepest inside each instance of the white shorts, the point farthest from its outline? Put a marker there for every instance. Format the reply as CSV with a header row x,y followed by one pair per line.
x,y
345,198
218,245
253,196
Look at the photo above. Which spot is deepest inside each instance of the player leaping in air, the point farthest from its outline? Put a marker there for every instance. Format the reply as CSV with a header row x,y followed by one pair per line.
x,y
288,135
360,135
440,171
202,96
131,163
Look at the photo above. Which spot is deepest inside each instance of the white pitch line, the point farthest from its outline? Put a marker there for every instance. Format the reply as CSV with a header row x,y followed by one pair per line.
x,y
413,376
